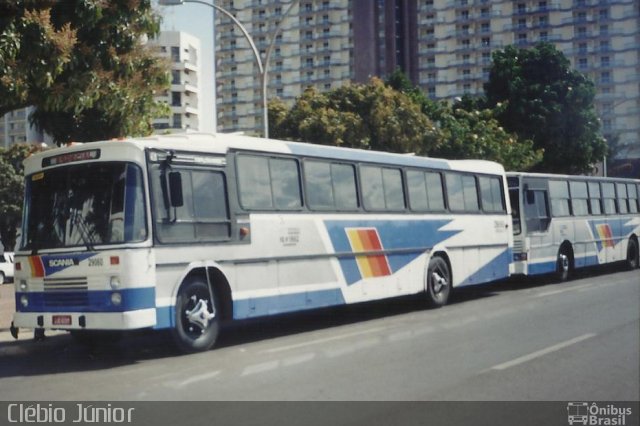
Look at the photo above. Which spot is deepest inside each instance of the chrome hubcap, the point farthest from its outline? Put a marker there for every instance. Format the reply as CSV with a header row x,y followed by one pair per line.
x,y
200,315
439,282
564,262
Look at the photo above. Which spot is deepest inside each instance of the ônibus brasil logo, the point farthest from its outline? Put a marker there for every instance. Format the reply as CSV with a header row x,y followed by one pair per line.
x,y
597,415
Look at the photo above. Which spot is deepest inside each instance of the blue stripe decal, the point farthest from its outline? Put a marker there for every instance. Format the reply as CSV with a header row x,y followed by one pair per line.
x,y
262,306
496,269
584,261
362,155
60,262
165,317
393,235
542,268
591,260
133,299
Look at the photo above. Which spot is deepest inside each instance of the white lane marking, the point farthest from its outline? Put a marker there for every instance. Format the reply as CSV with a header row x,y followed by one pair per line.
x,y
403,335
295,360
198,378
362,344
542,352
582,287
563,290
323,340
460,323
260,368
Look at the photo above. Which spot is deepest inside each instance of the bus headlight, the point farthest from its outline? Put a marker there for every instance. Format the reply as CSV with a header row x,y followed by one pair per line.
x,y
114,282
116,298
24,300
23,285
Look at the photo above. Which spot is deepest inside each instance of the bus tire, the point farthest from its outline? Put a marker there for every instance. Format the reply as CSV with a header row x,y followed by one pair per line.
x,y
197,322
632,254
563,265
438,285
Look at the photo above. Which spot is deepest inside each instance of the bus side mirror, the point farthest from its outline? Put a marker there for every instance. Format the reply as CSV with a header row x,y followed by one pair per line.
x,y
175,189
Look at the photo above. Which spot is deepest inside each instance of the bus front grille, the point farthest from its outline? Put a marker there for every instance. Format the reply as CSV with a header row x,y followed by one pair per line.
x,y
60,292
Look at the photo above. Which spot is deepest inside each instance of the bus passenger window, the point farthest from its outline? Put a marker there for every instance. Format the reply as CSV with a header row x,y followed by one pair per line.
x,y
609,198
579,198
559,191
491,194
536,211
621,189
633,198
595,199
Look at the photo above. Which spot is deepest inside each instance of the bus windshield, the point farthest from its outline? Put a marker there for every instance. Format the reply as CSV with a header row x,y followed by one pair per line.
x,y
84,205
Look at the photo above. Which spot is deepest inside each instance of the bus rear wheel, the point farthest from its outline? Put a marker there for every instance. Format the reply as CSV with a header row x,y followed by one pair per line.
x,y
632,254
197,323
563,265
438,285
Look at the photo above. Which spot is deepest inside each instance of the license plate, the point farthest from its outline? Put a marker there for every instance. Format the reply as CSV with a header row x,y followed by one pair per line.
x,y
61,320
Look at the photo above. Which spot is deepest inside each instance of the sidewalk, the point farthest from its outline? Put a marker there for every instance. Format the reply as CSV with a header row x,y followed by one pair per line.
x,y
7,305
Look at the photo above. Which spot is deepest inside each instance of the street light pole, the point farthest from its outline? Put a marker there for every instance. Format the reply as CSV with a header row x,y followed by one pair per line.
x,y
262,68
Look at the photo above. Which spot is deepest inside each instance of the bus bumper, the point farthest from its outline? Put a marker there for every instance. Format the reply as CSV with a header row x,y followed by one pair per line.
x,y
129,320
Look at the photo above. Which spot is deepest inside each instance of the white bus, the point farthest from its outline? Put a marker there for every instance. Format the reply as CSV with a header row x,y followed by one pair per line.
x,y
562,223
186,231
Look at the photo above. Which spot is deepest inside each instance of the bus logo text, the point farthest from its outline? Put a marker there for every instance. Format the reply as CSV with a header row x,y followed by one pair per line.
x,y
57,263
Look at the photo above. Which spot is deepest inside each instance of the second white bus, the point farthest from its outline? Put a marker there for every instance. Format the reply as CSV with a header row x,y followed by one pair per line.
x,y
562,223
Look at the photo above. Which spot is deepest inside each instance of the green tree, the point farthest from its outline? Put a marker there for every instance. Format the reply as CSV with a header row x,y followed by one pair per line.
x,y
83,64
11,190
366,116
469,131
543,99
33,50
476,134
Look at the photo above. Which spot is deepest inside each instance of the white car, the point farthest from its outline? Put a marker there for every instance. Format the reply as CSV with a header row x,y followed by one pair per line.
x,y
6,267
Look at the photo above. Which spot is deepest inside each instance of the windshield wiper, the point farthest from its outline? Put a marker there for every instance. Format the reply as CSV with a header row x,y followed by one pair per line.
x,y
87,236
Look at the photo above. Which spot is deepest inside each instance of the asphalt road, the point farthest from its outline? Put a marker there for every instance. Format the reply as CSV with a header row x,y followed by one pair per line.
x,y
522,340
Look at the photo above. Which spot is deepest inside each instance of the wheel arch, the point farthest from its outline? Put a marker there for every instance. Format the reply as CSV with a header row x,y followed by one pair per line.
x,y
567,247
211,273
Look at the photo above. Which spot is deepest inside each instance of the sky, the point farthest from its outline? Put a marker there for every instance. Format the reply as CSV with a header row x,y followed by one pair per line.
x,y
197,20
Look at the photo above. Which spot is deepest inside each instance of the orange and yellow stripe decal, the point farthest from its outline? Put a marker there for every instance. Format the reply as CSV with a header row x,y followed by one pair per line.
x,y
37,267
605,234
367,240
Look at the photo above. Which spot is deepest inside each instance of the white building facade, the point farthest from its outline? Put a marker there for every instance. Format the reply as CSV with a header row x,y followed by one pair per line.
x,y
183,97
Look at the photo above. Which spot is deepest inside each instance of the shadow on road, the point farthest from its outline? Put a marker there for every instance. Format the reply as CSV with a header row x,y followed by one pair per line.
x,y
60,353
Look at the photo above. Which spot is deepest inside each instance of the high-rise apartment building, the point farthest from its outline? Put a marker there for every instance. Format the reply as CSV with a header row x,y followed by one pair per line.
x,y
15,128
181,50
313,48
444,46
600,38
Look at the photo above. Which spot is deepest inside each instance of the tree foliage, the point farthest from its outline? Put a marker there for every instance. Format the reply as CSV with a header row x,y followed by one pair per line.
x,y
542,99
83,64
469,131
476,134
366,116
11,190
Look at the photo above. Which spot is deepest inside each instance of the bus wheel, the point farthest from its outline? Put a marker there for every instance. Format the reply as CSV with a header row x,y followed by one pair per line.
x,y
563,265
632,254
196,322
438,282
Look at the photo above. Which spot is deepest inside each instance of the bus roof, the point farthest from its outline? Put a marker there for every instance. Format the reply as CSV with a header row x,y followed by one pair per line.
x,y
220,143
574,177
